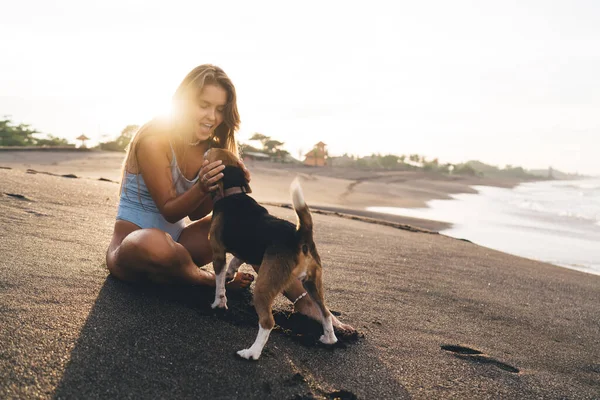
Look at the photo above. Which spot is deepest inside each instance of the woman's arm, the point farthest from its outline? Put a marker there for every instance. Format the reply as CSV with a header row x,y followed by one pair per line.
x,y
154,164
203,210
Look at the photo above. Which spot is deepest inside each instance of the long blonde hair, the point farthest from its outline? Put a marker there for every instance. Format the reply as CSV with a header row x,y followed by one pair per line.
x,y
184,98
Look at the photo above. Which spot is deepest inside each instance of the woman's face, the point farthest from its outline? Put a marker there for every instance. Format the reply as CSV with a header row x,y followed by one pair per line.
x,y
207,113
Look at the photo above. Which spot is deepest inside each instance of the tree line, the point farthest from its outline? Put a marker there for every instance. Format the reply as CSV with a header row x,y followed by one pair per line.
x,y
12,134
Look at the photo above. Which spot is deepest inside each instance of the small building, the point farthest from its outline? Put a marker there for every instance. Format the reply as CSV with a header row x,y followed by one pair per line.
x,y
342,161
254,155
317,157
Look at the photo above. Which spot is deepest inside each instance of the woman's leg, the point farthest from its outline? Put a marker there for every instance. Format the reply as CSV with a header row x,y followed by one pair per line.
x,y
194,238
150,254
136,254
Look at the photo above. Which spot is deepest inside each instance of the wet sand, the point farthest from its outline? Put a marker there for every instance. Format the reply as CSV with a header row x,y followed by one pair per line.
x,y
439,317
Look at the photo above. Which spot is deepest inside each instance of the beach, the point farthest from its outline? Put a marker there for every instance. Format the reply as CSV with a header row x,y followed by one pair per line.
x,y
343,190
439,317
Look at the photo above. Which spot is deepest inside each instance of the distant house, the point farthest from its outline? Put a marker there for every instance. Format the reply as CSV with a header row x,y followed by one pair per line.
x,y
341,161
252,155
317,157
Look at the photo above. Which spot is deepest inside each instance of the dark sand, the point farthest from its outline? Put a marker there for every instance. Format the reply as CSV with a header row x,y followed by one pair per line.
x,y
67,330
441,318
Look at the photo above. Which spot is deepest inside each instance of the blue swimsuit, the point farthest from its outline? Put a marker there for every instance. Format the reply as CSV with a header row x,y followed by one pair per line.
x,y
136,204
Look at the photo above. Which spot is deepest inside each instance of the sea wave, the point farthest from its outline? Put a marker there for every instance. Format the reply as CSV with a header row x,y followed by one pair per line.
x,y
591,214
551,221
588,186
578,200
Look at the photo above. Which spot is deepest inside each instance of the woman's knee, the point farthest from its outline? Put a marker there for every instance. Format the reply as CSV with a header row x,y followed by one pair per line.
x,y
147,249
152,245
194,239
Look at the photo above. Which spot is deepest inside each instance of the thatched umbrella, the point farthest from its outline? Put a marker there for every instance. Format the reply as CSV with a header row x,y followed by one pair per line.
x,y
83,138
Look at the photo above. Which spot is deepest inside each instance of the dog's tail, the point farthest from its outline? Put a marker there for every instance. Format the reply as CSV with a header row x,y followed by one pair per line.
x,y
305,224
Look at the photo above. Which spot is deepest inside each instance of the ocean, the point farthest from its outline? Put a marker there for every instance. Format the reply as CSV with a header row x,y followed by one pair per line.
x,y
552,221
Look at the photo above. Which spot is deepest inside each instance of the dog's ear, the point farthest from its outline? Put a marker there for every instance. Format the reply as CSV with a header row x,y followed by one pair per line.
x,y
247,188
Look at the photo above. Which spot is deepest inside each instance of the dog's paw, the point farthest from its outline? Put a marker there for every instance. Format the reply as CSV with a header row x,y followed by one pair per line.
x,y
248,354
328,339
229,276
220,303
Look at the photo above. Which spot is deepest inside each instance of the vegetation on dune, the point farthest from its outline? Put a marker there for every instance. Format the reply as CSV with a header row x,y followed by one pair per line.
x,y
12,134
121,142
23,135
270,147
416,162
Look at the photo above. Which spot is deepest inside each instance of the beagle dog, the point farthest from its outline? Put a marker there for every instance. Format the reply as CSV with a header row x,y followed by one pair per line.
x,y
284,252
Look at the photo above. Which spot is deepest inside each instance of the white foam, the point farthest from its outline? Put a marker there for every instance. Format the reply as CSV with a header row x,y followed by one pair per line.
x,y
548,221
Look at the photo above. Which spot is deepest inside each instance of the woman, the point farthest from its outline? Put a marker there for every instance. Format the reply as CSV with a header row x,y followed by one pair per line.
x,y
166,179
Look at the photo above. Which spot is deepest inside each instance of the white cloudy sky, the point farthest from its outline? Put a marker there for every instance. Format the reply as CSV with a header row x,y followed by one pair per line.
x,y
506,82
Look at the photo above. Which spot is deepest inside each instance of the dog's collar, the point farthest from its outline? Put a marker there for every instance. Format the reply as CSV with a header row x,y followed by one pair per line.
x,y
228,192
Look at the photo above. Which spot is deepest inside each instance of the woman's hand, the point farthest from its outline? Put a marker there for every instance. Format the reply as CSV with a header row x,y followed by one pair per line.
x,y
240,281
209,175
246,172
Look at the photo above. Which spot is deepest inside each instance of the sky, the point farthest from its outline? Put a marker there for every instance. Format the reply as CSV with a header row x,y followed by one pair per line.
x,y
504,82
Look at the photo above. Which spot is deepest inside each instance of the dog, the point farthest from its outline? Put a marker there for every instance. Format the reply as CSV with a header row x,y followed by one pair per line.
x,y
284,252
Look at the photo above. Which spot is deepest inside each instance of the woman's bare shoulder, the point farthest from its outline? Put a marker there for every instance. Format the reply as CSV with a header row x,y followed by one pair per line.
x,y
152,143
157,127
154,134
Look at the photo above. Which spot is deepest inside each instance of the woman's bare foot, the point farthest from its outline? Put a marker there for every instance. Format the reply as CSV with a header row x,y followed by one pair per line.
x,y
309,308
241,281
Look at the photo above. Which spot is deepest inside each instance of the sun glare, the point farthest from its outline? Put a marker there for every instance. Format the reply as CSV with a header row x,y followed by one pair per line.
x,y
151,107
134,111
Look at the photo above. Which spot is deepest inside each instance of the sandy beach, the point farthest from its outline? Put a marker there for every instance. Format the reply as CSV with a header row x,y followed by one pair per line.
x,y
439,317
342,190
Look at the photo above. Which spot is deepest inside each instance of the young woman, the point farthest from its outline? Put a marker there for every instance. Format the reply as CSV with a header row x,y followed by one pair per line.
x,y
166,179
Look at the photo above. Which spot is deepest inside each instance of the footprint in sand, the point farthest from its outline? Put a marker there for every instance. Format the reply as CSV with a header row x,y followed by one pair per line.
x,y
467,353
17,196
